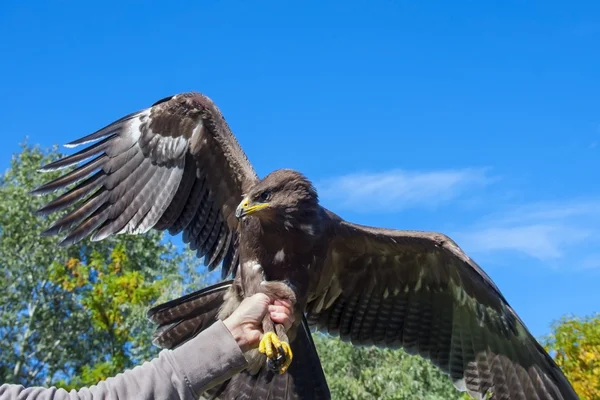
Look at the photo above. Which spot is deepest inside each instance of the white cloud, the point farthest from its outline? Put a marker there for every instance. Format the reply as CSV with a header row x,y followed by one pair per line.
x,y
539,241
578,209
399,189
546,231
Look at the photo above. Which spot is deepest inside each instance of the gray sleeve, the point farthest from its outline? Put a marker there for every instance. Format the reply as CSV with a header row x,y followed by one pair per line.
x,y
184,373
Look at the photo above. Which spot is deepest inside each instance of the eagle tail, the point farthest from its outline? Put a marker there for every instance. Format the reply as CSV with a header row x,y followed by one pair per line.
x,y
181,319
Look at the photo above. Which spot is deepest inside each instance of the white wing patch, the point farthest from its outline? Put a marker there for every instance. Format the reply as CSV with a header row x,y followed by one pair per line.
x,y
133,127
279,256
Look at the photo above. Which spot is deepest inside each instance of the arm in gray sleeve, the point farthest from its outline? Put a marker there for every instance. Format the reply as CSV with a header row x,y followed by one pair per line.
x,y
210,358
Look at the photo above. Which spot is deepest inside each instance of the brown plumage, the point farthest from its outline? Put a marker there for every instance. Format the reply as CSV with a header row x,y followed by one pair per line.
x,y
176,166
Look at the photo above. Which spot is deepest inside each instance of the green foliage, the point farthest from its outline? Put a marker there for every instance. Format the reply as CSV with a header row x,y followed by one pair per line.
x,y
111,292
72,316
383,374
575,345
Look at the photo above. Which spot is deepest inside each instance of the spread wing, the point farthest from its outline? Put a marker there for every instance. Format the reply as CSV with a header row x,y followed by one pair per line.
x,y
420,291
174,166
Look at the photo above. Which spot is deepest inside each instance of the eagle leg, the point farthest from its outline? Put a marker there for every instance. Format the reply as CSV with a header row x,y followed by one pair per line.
x,y
279,354
274,343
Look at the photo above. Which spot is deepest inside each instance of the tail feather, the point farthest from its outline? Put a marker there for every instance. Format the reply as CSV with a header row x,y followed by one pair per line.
x,y
181,319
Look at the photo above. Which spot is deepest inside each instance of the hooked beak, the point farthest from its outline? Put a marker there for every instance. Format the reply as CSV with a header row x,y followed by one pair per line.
x,y
244,208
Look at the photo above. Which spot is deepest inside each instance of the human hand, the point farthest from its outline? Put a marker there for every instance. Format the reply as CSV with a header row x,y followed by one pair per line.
x,y
245,323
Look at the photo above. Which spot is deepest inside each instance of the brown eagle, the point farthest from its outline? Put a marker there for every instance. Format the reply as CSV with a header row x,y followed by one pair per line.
x,y
176,166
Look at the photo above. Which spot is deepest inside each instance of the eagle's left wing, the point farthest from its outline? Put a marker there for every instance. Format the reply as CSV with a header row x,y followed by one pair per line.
x,y
420,291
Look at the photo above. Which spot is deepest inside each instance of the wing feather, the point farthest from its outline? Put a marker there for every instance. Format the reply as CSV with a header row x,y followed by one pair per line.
x,y
108,130
212,258
205,228
147,197
72,177
420,291
231,257
82,155
89,207
73,195
182,197
190,207
211,236
173,166
155,210
131,194
97,218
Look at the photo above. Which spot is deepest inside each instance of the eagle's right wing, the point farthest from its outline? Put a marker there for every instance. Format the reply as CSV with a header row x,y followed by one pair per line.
x,y
174,166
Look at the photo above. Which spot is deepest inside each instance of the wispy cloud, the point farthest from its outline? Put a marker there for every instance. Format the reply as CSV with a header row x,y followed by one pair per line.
x,y
399,189
546,231
539,241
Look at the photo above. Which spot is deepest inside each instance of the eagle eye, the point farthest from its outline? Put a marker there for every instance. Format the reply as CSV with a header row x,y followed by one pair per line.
x,y
264,196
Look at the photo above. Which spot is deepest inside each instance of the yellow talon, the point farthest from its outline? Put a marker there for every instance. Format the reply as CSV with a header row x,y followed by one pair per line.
x,y
268,341
288,357
279,354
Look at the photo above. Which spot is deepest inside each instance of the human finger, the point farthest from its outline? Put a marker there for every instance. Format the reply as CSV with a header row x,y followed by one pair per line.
x,y
258,301
282,318
285,303
253,308
260,298
280,309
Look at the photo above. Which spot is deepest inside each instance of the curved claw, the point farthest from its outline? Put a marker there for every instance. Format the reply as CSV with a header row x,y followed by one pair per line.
x,y
279,354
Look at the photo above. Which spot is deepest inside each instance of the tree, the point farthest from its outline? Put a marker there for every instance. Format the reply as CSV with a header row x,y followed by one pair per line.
x,y
75,315
372,373
575,345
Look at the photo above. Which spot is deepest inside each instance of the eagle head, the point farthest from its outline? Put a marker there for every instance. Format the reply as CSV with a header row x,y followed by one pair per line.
x,y
283,195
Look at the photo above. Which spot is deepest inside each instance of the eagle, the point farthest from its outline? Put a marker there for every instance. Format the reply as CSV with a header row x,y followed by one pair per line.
x,y
176,166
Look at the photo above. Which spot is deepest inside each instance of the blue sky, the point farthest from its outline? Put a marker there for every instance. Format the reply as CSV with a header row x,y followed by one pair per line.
x,y
475,119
